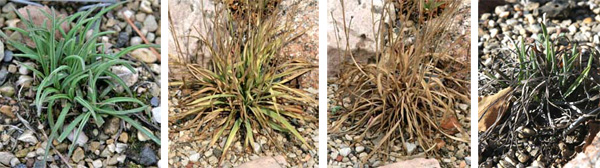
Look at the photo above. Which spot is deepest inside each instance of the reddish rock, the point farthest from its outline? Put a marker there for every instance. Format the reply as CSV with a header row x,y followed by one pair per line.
x,y
415,163
462,164
38,18
581,160
339,158
440,143
590,153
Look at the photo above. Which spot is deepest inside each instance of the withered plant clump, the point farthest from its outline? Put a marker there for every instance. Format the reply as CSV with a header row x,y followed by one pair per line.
x,y
548,105
411,86
246,90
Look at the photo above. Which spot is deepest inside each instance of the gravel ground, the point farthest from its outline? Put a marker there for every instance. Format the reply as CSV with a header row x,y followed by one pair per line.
x,y
522,20
116,144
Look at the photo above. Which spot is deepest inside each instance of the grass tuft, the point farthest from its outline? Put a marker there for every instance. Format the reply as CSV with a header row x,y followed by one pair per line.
x,y
554,93
246,89
410,87
75,85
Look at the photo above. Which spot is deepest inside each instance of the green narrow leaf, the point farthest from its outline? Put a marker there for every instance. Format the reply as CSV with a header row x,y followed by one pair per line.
x,y
79,130
287,126
99,121
232,134
59,122
583,75
70,127
249,133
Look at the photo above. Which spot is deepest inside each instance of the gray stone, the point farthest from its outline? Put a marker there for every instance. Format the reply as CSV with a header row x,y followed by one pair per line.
x,y
120,147
6,157
23,68
15,162
148,157
28,137
122,39
345,151
3,75
97,163
150,23
194,157
135,41
256,147
150,37
82,139
128,76
8,56
535,28
121,158
359,149
156,115
410,147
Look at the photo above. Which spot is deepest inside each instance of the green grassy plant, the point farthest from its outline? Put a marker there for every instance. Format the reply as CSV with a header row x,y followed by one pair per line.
x,y
75,80
406,92
246,89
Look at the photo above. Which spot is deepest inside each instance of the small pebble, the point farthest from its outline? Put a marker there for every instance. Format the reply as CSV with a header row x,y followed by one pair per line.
x,y
8,56
135,41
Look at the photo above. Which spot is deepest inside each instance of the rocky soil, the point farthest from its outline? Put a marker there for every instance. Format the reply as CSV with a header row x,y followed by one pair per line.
x,y
115,144
522,20
186,150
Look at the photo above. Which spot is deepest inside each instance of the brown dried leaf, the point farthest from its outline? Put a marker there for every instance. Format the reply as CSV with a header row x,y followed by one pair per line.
x,y
490,106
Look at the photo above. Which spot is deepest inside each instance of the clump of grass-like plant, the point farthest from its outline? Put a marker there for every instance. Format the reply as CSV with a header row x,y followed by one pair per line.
x,y
76,85
246,89
552,94
407,91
